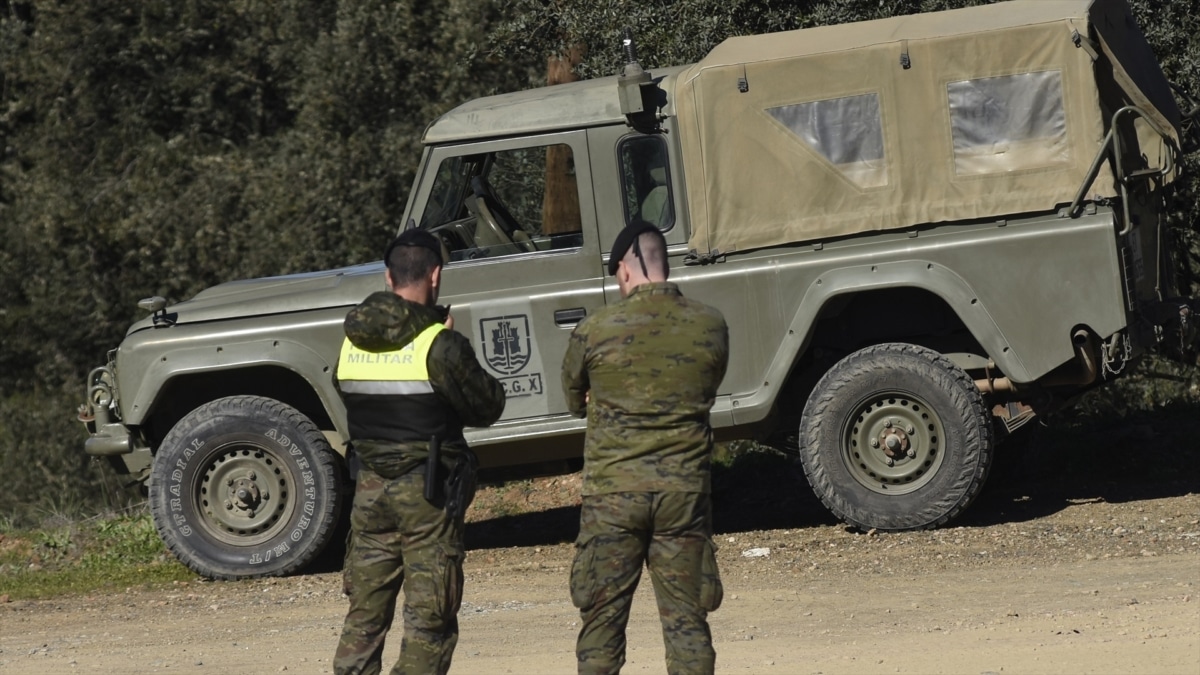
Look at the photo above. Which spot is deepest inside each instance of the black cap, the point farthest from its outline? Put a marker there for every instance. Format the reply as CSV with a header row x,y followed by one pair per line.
x,y
418,238
625,239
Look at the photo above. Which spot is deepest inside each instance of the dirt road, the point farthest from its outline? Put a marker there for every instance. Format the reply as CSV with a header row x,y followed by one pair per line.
x,y
1063,577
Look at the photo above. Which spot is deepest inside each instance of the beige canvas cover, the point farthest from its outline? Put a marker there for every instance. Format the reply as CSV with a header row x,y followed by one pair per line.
x,y
825,132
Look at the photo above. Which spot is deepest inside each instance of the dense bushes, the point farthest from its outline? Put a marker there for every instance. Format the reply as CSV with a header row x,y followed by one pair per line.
x,y
159,147
155,147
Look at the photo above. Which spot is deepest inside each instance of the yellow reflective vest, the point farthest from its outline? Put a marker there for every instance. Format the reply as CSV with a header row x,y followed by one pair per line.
x,y
403,371
389,396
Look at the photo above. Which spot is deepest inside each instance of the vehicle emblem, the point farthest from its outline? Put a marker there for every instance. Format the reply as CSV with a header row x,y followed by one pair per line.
x,y
506,343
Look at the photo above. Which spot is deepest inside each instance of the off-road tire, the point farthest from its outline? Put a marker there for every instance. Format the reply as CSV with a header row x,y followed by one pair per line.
x,y
934,409
246,486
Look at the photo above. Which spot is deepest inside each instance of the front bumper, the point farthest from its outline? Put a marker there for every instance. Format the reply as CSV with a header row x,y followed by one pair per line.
x,y
109,440
107,436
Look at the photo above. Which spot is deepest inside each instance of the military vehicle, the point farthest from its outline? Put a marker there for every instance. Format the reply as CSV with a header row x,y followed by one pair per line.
x,y
923,231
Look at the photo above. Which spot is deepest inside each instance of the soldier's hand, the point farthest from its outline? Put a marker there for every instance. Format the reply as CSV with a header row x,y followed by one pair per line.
x,y
449,323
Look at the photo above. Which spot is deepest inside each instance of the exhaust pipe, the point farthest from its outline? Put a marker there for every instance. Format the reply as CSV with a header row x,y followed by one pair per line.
x,y
1085,372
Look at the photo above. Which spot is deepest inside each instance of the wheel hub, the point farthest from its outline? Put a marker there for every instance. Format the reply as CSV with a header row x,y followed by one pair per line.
x,y
243,495
893,444
247,496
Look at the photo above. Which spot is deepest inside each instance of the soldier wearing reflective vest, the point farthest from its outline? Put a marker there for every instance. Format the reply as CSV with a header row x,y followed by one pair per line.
x,y
410,384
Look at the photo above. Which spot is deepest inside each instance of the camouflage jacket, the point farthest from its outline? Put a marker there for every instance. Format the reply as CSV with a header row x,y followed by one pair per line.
x,y
645,371
386,322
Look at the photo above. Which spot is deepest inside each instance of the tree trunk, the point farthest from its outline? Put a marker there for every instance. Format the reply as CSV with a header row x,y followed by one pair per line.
x,y
560,209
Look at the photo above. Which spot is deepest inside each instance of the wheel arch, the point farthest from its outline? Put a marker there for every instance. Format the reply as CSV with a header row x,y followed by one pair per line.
x,y
186,391
939,294
936,291
862,318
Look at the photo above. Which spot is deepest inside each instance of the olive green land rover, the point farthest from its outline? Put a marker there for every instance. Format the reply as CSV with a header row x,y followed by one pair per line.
x,y
923,232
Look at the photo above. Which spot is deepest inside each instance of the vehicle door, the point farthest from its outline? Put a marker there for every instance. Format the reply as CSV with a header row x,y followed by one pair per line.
x,y
638,176
518,224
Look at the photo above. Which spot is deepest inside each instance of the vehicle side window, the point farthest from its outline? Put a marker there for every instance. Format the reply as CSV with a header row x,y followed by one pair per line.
x,y
506,203
445,201
646,181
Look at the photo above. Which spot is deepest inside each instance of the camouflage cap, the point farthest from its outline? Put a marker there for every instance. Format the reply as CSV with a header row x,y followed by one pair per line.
x,y
628,237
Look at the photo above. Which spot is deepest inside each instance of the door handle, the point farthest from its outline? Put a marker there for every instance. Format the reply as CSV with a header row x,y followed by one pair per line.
x,y
569,317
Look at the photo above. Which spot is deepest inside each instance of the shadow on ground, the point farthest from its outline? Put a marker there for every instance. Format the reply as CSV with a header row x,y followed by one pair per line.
x,y
754,488
1146,455
537,528
757,490
764,489
1142,456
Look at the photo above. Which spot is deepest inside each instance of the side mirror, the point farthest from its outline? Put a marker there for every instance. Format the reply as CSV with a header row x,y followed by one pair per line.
x,y
157,307
154,304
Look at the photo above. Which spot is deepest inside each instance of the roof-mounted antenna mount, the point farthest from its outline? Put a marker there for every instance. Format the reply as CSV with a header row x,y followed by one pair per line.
x,y
635,86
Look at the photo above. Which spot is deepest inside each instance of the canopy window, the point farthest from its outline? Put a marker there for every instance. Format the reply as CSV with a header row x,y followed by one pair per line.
x,y
1008,123
845,131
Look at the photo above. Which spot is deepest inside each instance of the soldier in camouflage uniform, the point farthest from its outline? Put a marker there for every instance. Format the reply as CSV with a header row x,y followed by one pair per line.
x,y
645,371
410,384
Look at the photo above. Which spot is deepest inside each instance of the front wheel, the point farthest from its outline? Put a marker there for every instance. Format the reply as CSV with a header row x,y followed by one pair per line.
x,y
244,487
896,437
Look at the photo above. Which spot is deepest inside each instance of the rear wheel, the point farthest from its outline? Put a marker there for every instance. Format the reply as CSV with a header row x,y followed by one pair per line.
x,y
246,486
896,437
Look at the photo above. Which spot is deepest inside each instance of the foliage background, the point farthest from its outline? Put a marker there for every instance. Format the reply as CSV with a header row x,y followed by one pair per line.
x,y
157,147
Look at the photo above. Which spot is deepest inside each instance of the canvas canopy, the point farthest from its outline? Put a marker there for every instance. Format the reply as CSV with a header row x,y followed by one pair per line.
x,y
965,114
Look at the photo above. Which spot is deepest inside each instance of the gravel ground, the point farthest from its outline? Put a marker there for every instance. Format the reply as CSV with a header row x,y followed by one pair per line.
x,y
1083,557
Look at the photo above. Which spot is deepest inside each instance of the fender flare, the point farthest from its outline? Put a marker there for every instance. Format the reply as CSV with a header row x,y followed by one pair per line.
x,y
286,354
934,278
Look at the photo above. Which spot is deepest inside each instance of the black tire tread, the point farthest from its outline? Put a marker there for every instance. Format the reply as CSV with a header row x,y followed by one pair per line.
x,y
270,409
978,442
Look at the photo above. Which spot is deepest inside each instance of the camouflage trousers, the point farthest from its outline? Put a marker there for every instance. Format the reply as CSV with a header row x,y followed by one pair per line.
x,y
398,539
671,534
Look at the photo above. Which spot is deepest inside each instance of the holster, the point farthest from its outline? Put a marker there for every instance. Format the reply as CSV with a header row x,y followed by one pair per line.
x,y
456,490
460,484
433,464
